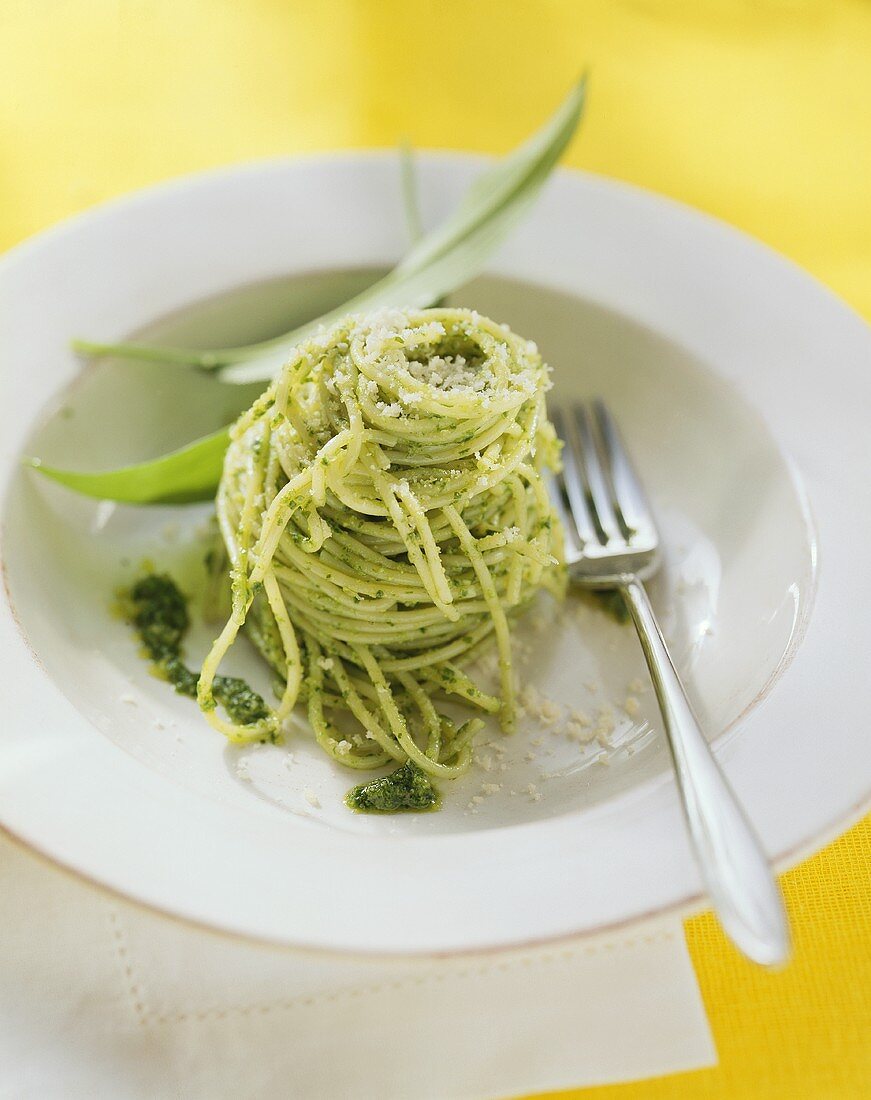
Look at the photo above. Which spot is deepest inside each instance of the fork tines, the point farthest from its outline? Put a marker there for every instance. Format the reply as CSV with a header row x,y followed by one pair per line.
x,y
599,484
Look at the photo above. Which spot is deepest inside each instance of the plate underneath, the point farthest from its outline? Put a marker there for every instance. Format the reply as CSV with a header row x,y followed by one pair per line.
x,y
736,578
571,825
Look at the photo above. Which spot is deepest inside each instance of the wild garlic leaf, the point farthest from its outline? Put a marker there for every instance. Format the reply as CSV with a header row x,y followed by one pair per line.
x,y
440,262
180,477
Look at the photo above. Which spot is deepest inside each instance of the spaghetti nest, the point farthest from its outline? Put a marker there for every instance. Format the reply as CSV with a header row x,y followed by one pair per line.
x,y
383,511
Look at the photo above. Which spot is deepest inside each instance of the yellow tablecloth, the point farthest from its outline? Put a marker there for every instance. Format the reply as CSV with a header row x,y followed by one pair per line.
x,y
755,111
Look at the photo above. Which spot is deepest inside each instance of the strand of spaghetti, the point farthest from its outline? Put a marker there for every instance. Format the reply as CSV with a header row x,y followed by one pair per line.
x,y
500,623
292,663
434,727
453,681
401,522
327,736
241,600
363,714
398,723
431,551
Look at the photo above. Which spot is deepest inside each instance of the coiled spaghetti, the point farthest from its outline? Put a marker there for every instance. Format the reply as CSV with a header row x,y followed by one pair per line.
x,y
383,512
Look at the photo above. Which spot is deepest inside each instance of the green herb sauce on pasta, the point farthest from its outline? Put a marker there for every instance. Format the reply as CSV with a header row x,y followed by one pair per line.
x,y
384,514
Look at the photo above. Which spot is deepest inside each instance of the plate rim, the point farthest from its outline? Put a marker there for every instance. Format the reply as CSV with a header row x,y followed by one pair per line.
x,y
458,163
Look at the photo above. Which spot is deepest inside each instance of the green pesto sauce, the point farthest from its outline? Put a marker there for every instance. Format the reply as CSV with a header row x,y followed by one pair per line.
x,y
158,612
612,603
407,790
243,705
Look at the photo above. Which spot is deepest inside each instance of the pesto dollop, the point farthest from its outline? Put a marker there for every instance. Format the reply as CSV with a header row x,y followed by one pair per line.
x,y
612,603
158,611
407,790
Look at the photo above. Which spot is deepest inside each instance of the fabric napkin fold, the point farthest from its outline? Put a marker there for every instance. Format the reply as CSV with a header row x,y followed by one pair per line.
x,y
100,997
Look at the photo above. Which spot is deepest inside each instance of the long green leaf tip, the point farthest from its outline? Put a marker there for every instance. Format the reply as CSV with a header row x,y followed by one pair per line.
x,y
442,260
180,477
438,263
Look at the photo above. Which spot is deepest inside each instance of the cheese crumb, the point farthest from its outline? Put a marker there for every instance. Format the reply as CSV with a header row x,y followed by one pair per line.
x,y
632,706
549,712
533,792
604,725
311,797
580,733
537,706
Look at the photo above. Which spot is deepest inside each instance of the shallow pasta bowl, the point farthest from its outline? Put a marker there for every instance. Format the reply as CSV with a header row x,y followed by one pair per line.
x,y
743,385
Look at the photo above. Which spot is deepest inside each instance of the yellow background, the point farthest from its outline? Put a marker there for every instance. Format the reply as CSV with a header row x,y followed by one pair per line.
x,y
759,112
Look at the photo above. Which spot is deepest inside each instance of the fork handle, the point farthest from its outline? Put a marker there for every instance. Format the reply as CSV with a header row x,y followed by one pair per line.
x,y
733,865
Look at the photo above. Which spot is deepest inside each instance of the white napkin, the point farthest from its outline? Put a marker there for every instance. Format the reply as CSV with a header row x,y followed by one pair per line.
x,y
101,998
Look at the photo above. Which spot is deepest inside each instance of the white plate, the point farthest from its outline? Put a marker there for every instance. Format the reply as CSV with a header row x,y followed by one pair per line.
x,y
743,387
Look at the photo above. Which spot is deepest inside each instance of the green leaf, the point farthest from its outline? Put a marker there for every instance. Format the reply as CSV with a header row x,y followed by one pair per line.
x,y
410,196
180,477
439,262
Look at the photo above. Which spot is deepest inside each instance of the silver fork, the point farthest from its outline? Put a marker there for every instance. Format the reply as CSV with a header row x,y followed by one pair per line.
x,y
612,542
